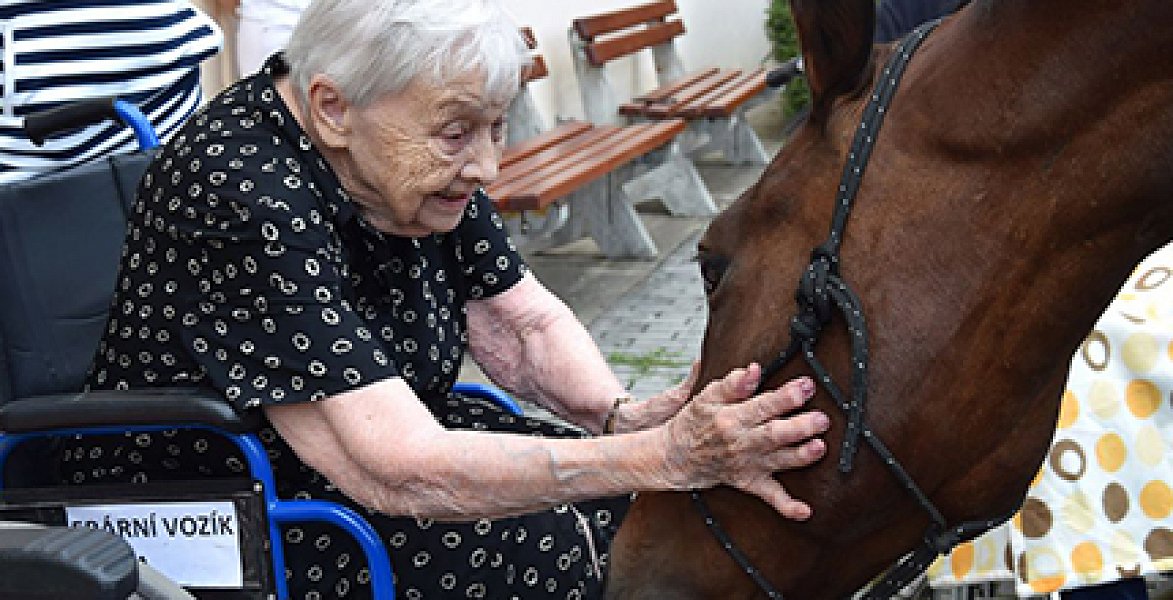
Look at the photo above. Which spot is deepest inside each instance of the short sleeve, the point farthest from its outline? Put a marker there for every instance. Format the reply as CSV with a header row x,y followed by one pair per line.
x,y
489,259
271,320
292,338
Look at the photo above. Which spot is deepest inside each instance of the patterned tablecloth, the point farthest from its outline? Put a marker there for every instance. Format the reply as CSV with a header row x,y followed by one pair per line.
x,y
1101,507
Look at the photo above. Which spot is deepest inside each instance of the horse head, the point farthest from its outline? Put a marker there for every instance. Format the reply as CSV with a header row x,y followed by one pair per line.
x,y
1021,172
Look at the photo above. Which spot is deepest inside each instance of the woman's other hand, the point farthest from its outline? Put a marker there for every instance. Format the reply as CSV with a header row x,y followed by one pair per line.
x,y
725,436
645,414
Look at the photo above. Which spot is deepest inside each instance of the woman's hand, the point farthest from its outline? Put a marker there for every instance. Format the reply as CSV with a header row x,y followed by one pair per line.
x,y
645,414
726,437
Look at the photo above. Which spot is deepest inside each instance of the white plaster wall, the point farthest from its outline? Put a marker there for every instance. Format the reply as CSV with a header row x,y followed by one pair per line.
x,y
727,33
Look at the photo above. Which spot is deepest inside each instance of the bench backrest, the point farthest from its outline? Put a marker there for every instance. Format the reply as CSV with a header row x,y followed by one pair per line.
x,y
525,121
537,69
615,34
599,39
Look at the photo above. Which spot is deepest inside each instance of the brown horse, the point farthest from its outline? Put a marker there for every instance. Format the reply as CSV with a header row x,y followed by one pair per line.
x,y
1025,166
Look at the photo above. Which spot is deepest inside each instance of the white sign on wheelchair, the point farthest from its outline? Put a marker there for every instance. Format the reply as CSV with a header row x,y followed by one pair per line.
x,y
196,544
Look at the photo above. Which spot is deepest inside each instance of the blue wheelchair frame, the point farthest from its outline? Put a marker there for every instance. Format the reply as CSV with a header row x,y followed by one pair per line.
x,y
278,511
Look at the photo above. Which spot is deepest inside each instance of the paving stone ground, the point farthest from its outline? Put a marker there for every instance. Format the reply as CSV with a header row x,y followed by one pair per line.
x,y
653,333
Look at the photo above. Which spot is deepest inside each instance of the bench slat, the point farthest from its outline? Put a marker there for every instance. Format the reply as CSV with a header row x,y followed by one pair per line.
x,y
698,106
599,52
652,137
568,150
671,96
685,97
547,163
536,70
664,93
588,28
531,40
616,147
541,142
746,87
655,136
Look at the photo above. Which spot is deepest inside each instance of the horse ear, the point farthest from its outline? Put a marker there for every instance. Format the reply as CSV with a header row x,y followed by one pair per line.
x,y
836,41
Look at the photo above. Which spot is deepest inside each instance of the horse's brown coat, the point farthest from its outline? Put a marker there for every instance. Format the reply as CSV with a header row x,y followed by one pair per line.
x,y
1026,165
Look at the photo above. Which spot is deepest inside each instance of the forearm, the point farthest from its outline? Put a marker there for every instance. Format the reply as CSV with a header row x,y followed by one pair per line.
x,y
535,347
379,445
423,470
462,475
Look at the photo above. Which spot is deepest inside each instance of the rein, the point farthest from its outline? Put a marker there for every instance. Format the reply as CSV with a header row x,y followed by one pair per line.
x,y
822,291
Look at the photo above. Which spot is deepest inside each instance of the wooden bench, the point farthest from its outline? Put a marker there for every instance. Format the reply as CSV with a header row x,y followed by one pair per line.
x,y
713,100
571,179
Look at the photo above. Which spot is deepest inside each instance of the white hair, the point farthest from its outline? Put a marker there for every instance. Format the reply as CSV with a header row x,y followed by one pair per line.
x,y
369,48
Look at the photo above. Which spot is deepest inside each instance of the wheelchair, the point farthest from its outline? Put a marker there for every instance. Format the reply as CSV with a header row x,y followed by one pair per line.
x,y
61,236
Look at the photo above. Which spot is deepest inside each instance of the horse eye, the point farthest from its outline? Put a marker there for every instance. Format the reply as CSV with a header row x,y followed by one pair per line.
x,y
712,270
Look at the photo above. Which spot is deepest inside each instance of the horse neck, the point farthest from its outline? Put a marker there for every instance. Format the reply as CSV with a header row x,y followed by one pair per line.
x,y
1052,122
1031,71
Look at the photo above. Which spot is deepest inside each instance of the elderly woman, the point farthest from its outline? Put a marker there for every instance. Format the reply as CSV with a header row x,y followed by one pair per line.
x,y
316,245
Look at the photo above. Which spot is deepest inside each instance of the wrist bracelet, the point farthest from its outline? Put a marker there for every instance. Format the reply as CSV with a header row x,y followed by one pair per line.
x,y
609,422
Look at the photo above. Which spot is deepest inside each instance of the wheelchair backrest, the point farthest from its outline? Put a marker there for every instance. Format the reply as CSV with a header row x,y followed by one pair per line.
x,y
61,237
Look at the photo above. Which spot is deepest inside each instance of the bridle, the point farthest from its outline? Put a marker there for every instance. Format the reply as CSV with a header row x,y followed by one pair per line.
x,y
821,292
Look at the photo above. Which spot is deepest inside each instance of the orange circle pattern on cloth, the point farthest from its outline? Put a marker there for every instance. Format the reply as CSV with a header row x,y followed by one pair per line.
x,y
1101,507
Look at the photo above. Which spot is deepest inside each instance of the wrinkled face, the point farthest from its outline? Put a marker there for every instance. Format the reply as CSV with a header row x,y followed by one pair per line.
x,y
413,159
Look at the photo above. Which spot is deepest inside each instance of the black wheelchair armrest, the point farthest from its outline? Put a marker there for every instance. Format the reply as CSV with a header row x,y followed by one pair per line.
x,y
65,562
156,406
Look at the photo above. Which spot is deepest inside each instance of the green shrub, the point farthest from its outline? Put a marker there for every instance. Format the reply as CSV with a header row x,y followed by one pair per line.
x,y
783,36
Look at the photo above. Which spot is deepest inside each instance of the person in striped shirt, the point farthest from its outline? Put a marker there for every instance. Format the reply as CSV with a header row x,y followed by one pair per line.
x,y
147,52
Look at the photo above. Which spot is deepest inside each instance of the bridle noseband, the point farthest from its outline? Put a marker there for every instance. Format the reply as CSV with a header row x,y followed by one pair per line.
x,y
822,292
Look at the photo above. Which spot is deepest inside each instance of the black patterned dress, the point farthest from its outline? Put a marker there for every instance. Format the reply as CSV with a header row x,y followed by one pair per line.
x,y
247,269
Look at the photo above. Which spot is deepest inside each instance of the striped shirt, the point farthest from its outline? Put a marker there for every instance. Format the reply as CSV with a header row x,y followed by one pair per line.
x,y
146,52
